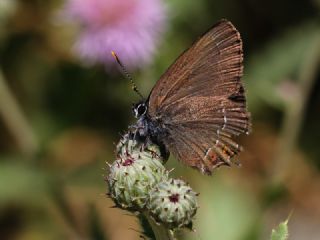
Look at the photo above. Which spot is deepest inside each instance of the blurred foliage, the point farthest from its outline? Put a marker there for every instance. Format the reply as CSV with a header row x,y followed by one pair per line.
x,y
273,66
54,188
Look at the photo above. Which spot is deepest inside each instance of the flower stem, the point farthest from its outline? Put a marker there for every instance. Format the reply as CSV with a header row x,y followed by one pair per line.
x,y
160,231
15,120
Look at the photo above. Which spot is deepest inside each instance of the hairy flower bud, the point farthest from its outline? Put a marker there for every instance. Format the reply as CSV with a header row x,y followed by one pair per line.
x,y
135,172
173,203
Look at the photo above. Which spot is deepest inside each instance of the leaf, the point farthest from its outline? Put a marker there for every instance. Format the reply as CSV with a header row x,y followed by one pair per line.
x,y
281,232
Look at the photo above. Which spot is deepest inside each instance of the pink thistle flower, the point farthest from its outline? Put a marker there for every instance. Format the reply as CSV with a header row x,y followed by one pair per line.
x,y
131,28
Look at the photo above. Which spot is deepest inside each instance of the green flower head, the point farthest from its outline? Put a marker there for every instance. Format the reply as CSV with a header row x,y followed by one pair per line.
x,y
136,171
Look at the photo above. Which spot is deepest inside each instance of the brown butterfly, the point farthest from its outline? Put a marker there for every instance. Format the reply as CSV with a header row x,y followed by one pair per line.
x,y
198,105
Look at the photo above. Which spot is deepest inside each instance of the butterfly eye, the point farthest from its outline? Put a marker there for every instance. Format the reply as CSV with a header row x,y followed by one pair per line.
x,y
141,109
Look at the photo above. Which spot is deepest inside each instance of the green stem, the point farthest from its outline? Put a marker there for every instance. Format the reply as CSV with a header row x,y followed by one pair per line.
x,y
160,232
58,215
15,121
295,111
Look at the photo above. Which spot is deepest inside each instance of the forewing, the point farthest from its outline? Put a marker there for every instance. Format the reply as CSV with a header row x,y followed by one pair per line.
x,y
200,100
210,67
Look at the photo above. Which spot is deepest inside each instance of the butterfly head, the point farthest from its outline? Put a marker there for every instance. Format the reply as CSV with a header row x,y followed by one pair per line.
x,y
139,109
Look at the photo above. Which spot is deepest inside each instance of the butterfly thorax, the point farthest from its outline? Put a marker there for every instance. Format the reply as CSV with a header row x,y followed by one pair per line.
x,y
147,130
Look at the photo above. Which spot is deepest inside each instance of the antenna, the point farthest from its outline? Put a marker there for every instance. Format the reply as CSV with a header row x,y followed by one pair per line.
x,y
127,75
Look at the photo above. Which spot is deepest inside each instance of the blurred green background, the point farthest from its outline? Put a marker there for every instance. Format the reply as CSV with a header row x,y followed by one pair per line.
x,y
60,119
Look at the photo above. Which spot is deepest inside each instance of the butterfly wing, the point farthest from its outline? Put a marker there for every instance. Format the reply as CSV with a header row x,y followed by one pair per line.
x,y
200,100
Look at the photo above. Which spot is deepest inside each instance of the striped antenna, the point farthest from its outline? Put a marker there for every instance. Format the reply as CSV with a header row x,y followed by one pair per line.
x,y
127,75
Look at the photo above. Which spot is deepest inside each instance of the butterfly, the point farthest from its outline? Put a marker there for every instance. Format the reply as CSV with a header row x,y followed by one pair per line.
x,y
198,105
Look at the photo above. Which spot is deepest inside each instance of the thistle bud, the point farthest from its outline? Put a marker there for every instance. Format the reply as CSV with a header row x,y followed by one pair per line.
x,y
136,171
173,203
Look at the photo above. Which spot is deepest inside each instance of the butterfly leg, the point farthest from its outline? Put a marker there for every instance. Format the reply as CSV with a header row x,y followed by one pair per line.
x,y
164,153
